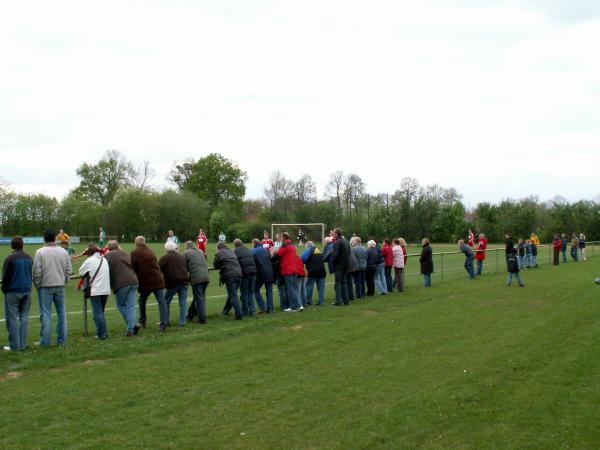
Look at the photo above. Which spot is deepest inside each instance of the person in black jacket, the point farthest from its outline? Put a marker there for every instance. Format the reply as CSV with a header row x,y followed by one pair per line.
x,y
426,261
16,286
315,268
230,273
371,270
246,260
341,260
264,276
512,267
510,245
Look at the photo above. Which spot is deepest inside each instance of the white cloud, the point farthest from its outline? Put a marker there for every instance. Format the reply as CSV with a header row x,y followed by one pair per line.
x,y
487,97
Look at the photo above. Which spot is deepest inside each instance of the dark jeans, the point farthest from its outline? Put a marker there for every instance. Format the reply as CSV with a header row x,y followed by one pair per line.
x,y
247,295
199,294
291,291
17,318
574,253
427,279
283,300
564,254
399,271
370,280
258,297
479,266
388,278
341,287
181,291
320,282
159,294
350,285
469,266
98,304
233,285
555,257
359,283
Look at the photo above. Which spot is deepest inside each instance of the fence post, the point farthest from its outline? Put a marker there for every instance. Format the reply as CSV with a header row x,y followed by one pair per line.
x,y
442,264
85,317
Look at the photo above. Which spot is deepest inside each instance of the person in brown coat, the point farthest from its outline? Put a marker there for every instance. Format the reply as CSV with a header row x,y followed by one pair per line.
x,y
174,269
143,261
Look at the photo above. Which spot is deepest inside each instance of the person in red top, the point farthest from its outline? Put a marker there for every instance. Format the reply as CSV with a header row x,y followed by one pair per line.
x,y
480,253
471,241
267,243
288,268
201,241
388,261
556,247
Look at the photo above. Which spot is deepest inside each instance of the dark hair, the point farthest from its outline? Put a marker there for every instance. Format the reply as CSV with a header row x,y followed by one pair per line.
x,y
397,241
386,241
337,231
221,245
16,243
285,235
49,235
92,248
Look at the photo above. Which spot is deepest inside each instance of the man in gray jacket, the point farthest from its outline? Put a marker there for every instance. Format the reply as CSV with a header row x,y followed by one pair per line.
x,y
51,271
199,278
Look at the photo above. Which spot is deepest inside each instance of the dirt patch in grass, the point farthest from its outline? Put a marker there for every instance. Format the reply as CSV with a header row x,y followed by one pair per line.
x,y
11,376
294,327
92,362
370,312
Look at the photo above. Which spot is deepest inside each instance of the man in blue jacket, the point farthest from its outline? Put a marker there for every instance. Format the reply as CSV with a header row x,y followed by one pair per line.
x,y
264,276
16,286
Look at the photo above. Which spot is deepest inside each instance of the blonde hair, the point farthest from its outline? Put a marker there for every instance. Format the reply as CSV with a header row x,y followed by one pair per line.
x,y
371,243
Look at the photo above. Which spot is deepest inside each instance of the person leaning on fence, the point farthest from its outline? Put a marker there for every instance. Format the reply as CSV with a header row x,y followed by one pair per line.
x,y
51,271
371,268
361,257
388,261
398,263
174,269
574,246
145,265
512,267
468,251
380,282
264,274
480,254
352,269
426,261
197,269
557,245
124,284
230,274
96,269
315,273
534,252
287,268
248,266
16,286
341,261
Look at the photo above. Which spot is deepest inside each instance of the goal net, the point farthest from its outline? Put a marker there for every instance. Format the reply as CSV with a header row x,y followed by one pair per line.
x,y
301,232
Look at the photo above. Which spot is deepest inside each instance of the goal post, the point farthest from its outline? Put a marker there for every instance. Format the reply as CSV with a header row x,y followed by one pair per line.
x,y
308,231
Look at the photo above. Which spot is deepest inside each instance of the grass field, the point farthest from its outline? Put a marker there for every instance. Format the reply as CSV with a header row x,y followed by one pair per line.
x,y
465,364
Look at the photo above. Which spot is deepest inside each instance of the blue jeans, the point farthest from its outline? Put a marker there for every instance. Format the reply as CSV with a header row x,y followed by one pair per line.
x,y
283,300
574,253
533,260
517,276
310,282
291,291
479,266
301,289
46,297
163,313
427,280
199,294
98,304
247,295
232,285
181,291
469,266
258,297
341,287
125,296
359,283
520,261
564,253
380,282
17,318
527,260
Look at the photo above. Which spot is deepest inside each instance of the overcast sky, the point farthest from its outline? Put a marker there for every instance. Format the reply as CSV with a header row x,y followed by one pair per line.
x,y
495,98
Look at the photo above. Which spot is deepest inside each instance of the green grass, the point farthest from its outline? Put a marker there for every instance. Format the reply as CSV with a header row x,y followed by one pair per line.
x,y
465,364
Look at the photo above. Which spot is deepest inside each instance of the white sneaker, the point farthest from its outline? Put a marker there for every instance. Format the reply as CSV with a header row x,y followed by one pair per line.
x,y
287,309
6,348
301,308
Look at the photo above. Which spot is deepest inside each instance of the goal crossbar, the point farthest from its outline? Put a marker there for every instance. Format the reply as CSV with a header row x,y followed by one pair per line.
x,y
299,225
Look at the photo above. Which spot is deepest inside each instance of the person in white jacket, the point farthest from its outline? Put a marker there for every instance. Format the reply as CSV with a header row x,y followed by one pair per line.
x,y
96,267
398,264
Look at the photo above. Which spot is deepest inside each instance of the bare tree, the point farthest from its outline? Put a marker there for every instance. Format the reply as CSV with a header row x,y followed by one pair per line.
x,y
353,188
181,172
334,186
279,186
142,175
305,188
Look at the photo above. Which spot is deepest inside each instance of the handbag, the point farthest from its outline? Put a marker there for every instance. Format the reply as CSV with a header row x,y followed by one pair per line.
x,y
87,287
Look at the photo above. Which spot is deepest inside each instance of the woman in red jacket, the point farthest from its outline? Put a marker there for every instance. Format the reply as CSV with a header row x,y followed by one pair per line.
x,y
480,253
556,247
288,268
388,261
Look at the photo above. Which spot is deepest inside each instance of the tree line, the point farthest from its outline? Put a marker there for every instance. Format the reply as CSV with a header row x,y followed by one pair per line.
x,y
209,192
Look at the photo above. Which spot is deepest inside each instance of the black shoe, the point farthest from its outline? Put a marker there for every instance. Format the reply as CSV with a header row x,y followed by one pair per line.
x,y
143,323
162,328
136,329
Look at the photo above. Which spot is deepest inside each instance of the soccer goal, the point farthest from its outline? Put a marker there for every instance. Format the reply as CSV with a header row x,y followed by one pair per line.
x,y
301,232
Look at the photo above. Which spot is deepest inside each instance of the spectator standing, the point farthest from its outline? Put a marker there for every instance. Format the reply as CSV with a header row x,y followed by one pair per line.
x,y
398,262
150,278
16,286
340,259
512,266
301,281
426,261
534,239
388,261
582,246
315,268
174,269
197,269
124,284
288,269
361,257
371,267
97,271
534,252
480,254
248,283
527,259
264,275
328,253
565,243
521,252
557,245
574,246
352,269
230,273
468,251
51,271
380,282
509,246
